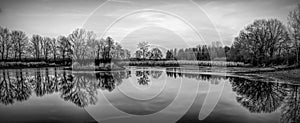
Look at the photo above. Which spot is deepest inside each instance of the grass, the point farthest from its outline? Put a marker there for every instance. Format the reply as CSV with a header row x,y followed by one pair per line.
x,y
292,76
24,64
91,67
120,64
183,62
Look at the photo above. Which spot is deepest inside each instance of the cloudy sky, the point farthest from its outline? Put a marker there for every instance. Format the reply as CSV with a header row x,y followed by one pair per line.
x,y
164,23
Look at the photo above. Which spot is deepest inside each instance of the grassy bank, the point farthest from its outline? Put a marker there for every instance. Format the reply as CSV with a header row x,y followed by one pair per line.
x,y
12,65
290,75
91,67
150,63
171,63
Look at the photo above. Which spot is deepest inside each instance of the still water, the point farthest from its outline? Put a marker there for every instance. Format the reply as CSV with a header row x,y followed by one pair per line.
x,y
144,95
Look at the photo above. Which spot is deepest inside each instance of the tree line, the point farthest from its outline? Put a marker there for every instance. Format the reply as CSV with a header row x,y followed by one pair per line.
x,y
201,52
80,44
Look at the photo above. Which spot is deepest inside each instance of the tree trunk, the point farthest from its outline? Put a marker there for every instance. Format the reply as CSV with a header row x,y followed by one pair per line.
x,y
20,55
15,54
3,50
298,57
7,53
54,56
63,55
20,51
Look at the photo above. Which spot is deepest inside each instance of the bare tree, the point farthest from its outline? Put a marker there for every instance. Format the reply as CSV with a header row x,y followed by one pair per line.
x,y
294,24
20,42
91,44
261,41
36,45
64,46
100,48
109,45
77,38
6,43
54,47
46,47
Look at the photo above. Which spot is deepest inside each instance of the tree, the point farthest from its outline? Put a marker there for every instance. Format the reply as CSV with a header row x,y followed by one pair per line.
x,y
138,54
144,47
294,24
91,43
118,51
181,54
36,45
169,55
77,39
6,44
46,47
261,41
100,44
127,54
109,45
156,53
54,47
64,46
20,42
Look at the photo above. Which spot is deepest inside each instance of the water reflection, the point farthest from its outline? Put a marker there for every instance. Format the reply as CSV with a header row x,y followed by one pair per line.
x,y
143,77
258,97
179,73
291,110
81,88
267,97
13,89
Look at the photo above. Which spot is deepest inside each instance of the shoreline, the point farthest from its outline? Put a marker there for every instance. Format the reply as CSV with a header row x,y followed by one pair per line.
x,y
288,74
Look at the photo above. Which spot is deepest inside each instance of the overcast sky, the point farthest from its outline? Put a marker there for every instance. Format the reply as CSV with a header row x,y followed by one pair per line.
x,y
165,23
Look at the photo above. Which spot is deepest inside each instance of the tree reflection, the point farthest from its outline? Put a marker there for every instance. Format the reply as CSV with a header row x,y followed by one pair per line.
x,y
156,74
109,80
39,85
291,108
7,88
78,88
143,77
177,72
23,88
258,96
13,87
266,97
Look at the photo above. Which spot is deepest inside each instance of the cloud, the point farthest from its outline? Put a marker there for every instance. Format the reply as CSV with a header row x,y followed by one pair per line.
x,y
52,18
131,23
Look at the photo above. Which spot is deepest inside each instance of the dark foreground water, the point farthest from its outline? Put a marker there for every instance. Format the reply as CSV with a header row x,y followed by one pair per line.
x,y
142,95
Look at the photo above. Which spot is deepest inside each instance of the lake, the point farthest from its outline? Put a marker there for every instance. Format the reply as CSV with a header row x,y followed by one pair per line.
x,y
142,94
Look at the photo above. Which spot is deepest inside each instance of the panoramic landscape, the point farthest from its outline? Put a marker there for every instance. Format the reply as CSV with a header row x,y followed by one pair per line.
x,y
150,61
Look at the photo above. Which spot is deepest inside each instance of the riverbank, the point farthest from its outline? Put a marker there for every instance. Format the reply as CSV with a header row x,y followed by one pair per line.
x,y
120,63
20,65
291,76
282,74
288,74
